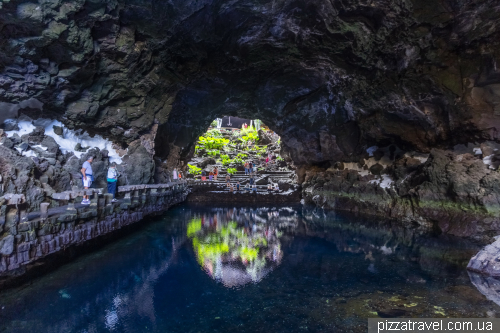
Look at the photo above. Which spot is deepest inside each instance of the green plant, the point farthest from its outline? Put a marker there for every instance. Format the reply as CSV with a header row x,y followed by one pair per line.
x,y
241,155
279,158
238,160
246,131
213,153
214,133
214,123
225,160
194,170
231,171
251,136
212,143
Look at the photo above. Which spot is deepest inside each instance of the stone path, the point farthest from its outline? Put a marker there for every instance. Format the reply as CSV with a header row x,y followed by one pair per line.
x,y
261,180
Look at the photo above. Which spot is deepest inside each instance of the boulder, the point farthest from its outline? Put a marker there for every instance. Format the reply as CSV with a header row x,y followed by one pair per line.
x,y
207,161
58,130
376,169
7,245
262,180
10,125
264,138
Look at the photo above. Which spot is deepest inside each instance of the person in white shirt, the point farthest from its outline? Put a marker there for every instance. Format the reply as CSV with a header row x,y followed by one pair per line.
x,y
112,180
88,177
175,175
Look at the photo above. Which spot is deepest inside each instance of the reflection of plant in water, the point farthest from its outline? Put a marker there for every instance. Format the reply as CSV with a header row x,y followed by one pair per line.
x,y
216,244
230,237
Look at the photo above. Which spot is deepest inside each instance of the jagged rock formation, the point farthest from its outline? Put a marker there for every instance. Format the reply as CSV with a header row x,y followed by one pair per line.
x,y
332,78
454,193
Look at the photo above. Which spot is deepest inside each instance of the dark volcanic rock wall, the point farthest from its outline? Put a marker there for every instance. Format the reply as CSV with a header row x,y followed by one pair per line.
x,y
333,78
330,76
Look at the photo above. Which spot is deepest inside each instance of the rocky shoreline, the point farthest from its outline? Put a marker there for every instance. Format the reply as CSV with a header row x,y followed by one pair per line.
x,y
453,193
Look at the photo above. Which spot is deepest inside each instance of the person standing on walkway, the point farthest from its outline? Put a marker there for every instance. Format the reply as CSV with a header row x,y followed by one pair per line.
x,y
216,173
246,168
203,175
180,175
237,186
112,180
88,177
251,180
210,176
175,174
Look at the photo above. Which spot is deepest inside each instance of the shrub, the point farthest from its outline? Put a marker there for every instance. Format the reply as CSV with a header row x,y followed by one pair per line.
x,y
194,170
212,143
225,160
214,133
279,158
237,160
231,171
213,153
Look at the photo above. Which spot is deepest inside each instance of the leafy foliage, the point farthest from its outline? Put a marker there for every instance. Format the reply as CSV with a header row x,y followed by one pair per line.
x,y
194,170
212,143
251,136
231,171
238,160
213,153
214,133
225,160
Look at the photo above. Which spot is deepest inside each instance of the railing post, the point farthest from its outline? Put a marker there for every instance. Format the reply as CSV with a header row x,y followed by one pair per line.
x,y
108,197
44,208
71,203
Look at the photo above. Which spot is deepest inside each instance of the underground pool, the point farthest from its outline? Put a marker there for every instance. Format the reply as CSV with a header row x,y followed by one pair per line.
x,y
252,269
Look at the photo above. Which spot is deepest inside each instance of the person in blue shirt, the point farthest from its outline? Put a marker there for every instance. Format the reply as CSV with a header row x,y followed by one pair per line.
x,y
112,180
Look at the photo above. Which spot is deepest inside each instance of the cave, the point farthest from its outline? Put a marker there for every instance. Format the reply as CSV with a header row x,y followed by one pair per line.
x,y
388,118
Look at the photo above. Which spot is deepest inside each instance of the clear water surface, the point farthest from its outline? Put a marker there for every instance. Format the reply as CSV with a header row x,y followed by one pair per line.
x,y
267,269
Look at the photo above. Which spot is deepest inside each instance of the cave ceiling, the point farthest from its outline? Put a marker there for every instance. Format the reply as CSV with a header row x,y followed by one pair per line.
x,y
331,77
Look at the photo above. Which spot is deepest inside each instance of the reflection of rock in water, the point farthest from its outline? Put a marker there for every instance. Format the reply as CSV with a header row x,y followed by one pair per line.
x,y
239,246
487,285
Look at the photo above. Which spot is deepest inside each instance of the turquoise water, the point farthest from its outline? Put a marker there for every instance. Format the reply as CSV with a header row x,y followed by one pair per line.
x,y
281,269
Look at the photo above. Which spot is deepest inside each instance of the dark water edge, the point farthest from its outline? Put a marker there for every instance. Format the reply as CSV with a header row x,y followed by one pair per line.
x,y
314,271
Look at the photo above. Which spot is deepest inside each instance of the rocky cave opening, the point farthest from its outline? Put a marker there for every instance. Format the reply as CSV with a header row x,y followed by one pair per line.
x,y
388,109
